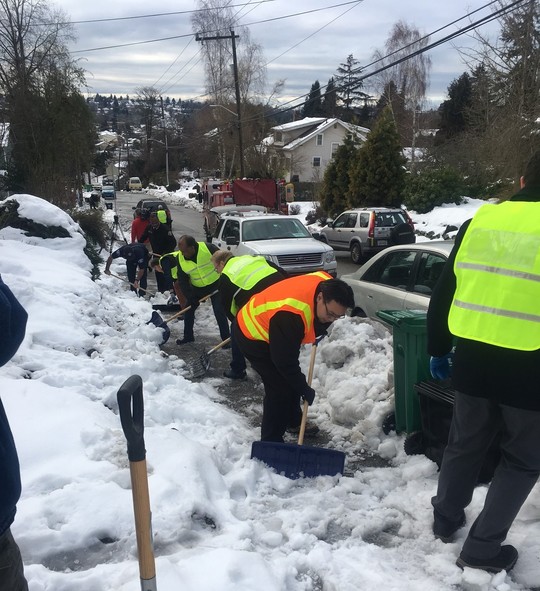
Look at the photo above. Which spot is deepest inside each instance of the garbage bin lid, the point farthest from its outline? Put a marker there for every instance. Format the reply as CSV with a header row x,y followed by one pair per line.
x,y
409,320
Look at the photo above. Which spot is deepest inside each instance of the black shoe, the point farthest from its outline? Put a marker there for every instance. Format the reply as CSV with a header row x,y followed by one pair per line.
x,y
444,529
310,429
504,560
184,341
235,375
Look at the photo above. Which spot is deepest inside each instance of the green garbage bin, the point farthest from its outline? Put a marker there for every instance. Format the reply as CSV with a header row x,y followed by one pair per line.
x,y
411,364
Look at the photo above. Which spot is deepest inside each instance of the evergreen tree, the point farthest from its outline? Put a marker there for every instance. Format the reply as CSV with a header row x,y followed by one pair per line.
x,y
329,103
312,106
378,175
453,112
337,179
349,86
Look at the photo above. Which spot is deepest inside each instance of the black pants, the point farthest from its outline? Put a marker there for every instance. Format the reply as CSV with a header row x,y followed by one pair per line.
x,y
132,275
475,423
11,566
219,313
281,405
238,362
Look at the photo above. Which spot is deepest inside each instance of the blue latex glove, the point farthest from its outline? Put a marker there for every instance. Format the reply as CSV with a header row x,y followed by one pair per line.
x,y
439,367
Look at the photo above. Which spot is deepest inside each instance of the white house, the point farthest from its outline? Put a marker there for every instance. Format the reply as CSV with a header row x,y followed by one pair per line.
x,y
309,144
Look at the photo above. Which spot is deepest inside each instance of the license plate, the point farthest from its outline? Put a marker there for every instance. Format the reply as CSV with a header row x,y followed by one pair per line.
x,y
382,242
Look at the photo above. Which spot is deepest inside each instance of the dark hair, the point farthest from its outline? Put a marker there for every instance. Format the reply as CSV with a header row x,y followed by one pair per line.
x,y
338,291
145,213
189,241
531,176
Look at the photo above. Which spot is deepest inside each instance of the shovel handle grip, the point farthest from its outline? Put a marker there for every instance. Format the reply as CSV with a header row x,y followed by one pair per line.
x,y
131,408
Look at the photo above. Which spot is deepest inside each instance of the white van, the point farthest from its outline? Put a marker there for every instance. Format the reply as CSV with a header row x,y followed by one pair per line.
x,y
134,184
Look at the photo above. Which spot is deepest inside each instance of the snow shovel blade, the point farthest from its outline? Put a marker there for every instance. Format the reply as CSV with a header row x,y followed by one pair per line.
x,y
158,321
297,461
200,366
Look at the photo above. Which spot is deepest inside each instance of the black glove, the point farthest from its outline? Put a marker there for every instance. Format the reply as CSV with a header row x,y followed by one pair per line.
x,y
308,395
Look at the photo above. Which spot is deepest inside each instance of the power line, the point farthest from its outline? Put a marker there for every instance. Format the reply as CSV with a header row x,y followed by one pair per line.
x,y
283,17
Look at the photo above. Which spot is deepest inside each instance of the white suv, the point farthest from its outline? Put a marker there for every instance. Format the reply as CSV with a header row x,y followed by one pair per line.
x,y
281,239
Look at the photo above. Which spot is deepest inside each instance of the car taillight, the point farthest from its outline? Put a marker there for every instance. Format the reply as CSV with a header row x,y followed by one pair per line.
x,y
371,229
409,220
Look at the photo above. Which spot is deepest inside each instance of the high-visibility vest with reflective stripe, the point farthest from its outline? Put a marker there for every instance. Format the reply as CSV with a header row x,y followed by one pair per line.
x,y
161,216
245,272
296,294
201,271
497,266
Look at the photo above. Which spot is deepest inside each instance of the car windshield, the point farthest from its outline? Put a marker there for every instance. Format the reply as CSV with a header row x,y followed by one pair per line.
x,y
274,229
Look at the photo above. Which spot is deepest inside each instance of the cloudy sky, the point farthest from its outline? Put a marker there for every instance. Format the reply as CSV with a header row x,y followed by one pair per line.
x,y
299,49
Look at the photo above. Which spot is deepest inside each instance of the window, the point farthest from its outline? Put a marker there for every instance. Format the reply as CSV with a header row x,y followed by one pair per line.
x,y
316,161
429,270
278,137
393,270
231,230
319,139
351,221
341,221
334,148
364,220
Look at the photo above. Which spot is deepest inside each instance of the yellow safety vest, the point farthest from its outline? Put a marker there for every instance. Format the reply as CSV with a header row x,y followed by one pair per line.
x,y
497,266
245,272
201,271
296,294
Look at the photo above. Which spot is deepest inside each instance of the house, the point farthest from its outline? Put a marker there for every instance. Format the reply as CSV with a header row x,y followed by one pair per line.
x,y
309,144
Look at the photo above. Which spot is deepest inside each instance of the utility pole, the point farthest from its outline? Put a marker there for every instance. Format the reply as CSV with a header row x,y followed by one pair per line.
x,y
233,38
166,143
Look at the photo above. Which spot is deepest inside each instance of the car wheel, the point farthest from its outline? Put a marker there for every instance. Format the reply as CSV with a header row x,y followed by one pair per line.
x,y
356,253
402,234
358,313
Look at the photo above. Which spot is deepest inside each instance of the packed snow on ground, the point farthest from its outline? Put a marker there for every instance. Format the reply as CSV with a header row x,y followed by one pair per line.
x,y
221,521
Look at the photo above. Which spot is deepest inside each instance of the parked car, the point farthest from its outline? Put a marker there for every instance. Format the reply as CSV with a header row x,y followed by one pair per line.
x,y
399,278
108,193
368,230
134,184
147,206
281,239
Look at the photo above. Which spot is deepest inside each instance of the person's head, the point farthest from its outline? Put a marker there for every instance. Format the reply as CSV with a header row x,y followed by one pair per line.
x,y
220,258
187,245
154,220
531,176
137,213
332,300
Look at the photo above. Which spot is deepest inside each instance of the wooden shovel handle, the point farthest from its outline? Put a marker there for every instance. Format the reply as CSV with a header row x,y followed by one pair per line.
x,y
184,310
128,281
306,405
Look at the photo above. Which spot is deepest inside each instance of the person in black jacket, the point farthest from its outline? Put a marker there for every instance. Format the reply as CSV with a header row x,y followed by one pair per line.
x,y
495,376
162,241
13,319
136,256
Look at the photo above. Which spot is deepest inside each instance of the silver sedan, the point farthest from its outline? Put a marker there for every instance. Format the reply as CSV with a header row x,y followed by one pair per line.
x,y
399,278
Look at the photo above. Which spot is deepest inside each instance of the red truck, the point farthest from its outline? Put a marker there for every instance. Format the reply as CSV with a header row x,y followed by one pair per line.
x,y
265,192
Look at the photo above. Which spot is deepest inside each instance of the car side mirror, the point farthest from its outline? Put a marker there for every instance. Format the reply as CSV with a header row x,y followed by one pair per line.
x,y
232,241
316,235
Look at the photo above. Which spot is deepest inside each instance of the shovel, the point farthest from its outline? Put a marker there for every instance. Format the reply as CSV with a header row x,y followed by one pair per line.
x,y
130,406
295,461
128,281
158,321
200,366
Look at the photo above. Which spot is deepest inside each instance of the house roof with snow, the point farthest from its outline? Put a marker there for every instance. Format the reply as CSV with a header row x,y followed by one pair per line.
x,y
314,126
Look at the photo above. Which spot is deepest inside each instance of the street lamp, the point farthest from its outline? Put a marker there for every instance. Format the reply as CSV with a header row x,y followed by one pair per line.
x,y
165,143
240,140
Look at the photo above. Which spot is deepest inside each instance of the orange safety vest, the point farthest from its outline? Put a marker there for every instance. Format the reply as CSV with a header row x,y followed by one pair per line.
x,y
296,294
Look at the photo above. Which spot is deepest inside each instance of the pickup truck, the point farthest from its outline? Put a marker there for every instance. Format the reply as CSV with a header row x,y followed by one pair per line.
x,y
281,239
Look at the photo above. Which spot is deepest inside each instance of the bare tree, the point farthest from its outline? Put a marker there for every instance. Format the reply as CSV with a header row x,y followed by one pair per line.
x,y
50,126
411,77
